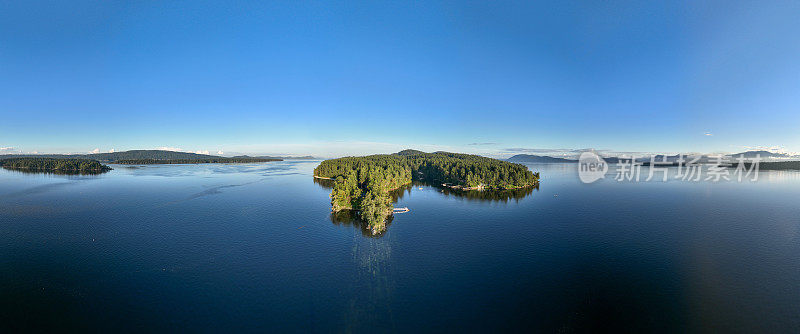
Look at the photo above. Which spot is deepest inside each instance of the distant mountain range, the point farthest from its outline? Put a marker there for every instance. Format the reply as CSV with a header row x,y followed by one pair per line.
x,y
537,159
529,158
519,158
305,157
765,155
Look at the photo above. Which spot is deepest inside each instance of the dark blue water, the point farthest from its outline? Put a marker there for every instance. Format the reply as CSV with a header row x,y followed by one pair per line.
x,y
254,248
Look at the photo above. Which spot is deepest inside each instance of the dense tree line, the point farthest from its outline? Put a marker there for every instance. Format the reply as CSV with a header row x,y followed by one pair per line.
x,y
773,165
54,165
192,161
149,154
363,183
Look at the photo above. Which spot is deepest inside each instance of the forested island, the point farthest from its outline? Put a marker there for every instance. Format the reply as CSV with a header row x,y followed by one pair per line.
x,y
66,166
362,184
218,160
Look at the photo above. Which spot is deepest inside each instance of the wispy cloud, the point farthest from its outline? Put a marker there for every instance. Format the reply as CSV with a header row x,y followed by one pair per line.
x,y
551,150
535,150
481,144
709,134
574,152
97,150
178,149
168,148
771,149
8,150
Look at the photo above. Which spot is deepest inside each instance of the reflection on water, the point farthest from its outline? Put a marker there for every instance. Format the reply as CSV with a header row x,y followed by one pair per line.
x,y
371,300
254,247
490,195
325,183
780,176
494,195
348,218
55,172
282,168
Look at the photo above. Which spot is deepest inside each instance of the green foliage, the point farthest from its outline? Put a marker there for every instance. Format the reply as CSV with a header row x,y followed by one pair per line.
x,y
363,183
54,165
149,154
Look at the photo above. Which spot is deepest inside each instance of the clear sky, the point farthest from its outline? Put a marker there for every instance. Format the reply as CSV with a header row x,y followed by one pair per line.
x,y
334,78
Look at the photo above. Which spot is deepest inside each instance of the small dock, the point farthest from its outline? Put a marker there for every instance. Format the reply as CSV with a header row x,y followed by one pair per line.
x,y
400,210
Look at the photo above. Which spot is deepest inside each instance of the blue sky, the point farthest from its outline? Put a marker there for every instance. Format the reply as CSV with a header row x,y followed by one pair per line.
x,y
337,78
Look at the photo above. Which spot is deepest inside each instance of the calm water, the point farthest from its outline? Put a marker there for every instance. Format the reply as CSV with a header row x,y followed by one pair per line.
x,y
254,248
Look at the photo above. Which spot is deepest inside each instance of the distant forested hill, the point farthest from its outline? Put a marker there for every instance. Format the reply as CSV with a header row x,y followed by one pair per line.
x,y
132,154
218,160
149,154
537,159
146,155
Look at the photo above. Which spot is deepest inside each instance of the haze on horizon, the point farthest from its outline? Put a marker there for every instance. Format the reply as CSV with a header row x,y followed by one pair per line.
x,y
357,78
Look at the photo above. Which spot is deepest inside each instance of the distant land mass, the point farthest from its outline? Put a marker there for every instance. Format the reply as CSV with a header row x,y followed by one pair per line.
x,y
282,157
764,154
529,158
538,159
148,157
219,160
703,159
124,155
